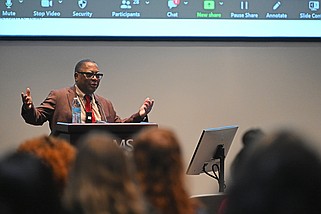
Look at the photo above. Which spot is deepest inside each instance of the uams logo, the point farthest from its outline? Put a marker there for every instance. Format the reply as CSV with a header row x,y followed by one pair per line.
x,y
125,144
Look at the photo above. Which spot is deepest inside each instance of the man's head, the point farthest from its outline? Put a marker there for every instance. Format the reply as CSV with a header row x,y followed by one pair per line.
x,y
86,76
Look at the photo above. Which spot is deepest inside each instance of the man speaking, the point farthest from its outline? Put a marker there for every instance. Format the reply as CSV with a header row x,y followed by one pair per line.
x,y
57,107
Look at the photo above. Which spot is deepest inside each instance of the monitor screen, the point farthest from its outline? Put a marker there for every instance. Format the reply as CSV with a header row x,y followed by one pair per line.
x,y
206,148
200,19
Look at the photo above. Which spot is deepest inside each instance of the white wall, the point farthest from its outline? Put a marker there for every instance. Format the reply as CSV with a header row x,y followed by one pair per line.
x,y
196,85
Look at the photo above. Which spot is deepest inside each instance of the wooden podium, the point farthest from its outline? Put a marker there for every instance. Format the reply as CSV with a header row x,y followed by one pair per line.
x,y
123,132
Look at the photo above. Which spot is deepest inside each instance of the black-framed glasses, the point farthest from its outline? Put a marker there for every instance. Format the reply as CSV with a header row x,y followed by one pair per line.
x,y
90,75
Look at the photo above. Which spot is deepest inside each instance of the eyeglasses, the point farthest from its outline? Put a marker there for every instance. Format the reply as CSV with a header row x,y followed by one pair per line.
x,y
90,75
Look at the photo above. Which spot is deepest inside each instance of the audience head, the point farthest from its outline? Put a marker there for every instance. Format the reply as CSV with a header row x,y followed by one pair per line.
x,y
250,139
160,171
282,176
27,186
252,136
57,153
100,180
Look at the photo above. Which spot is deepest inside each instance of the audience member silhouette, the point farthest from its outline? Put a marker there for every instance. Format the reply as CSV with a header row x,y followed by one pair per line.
x,y
100,181
27,186
159,171
57,153
283,176
250,140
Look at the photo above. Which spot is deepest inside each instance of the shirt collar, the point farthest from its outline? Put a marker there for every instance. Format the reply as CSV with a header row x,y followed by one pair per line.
x,y
81,94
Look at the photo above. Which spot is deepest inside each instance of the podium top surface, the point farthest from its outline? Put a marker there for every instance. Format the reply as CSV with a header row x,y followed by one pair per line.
x,y
112,127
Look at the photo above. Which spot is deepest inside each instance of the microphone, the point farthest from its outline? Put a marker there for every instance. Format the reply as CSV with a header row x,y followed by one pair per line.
x,y
8,4
100,108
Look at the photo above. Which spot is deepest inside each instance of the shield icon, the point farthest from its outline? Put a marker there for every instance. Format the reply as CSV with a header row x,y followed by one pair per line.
x,y
82,3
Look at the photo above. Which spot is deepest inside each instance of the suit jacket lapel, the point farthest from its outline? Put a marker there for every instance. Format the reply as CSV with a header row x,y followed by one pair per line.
x,y
100,108
71,95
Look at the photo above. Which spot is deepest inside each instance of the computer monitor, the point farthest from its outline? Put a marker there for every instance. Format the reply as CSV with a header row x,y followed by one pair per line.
x,y
209,141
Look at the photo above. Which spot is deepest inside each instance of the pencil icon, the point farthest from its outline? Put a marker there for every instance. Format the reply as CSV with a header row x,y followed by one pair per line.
x,y
276,5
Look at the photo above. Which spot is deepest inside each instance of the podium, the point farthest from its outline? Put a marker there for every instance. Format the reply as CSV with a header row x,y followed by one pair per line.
x,y
123,132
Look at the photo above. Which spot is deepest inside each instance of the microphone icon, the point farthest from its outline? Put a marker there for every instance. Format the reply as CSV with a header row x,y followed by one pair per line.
x,y
8,4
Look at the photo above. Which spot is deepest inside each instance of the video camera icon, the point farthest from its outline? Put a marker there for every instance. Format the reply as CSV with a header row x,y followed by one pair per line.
x,y
46,3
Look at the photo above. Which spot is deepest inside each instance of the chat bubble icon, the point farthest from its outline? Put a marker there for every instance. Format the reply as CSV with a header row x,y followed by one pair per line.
x,y
171,4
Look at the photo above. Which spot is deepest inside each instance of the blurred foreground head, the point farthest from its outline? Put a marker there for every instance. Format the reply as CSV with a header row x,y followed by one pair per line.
x,y
100,180
27,186
160,171
282,176
250,140
56,153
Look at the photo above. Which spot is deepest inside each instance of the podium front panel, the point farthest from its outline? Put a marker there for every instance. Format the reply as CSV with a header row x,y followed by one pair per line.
x,y
123,132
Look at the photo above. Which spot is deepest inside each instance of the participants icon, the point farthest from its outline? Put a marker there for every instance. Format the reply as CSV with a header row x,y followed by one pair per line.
x,y
125,4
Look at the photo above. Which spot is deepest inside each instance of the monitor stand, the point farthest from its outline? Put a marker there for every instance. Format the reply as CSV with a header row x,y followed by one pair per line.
x,y
219,154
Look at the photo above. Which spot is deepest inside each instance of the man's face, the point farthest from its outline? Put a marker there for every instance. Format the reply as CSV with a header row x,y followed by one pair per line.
x,y
86,84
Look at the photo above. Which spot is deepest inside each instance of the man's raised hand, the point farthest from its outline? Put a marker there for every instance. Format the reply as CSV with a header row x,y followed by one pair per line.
x,y
26,99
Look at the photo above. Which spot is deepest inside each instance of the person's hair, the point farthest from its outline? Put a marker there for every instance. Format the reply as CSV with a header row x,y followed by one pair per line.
x,y
282,176
57,153
81,62
100,181
159,171
252,136
250,140
27,186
